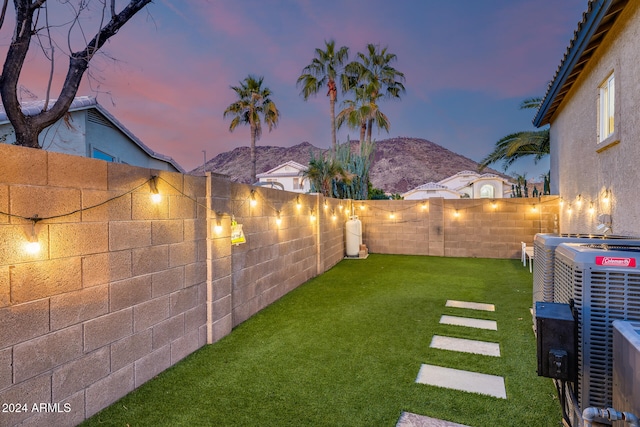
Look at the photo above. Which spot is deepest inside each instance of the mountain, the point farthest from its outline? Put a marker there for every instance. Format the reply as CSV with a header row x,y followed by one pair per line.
x,y
400,164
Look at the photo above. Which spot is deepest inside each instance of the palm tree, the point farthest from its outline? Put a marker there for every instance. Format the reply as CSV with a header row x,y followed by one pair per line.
x,y
322,173
361,113
325,69
520,144
356,113
254,101
376,78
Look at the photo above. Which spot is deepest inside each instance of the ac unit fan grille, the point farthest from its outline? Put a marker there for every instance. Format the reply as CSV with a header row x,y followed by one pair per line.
x,y
600,296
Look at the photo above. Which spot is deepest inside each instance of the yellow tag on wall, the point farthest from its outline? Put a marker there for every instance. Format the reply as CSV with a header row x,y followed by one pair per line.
x,y
237,235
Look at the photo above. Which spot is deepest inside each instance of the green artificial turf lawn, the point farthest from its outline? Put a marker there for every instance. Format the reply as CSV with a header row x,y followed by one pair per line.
x,y
344,349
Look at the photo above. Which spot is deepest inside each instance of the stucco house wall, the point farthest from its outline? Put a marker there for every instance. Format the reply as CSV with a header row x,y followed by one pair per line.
x,y
465,184
290,175
582,169
89,126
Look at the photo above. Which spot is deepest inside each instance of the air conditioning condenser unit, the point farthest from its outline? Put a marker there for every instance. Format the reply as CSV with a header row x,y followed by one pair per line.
x,y
544,248
602,283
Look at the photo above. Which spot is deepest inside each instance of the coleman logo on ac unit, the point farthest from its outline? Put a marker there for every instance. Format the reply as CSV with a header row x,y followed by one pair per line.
x,y
611,261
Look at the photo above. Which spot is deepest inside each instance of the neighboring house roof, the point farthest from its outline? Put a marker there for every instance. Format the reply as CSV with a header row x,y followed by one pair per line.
x,y
596,22
30,108
275,171
431,186
441,185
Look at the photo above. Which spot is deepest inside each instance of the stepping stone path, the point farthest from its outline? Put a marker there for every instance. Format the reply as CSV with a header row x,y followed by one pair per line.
x,y
469,322
466,346
456,379
407,419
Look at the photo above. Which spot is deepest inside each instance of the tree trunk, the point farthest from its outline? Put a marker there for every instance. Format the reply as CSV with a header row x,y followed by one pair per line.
x,y
363,131
28,128
252,152
27,134
333,95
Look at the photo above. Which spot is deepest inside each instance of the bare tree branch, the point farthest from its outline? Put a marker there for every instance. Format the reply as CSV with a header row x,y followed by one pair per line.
x,y
4,12
27,128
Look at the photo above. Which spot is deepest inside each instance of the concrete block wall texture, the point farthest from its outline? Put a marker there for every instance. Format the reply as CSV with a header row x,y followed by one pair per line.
x,y
290,238
457,228
117,292
123,290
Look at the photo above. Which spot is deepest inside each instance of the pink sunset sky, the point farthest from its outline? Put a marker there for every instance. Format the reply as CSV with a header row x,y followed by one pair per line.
x,y
468,63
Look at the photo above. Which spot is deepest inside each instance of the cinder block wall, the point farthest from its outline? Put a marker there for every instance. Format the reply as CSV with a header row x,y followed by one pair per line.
x,y
278,256
456,228
117,292
123,290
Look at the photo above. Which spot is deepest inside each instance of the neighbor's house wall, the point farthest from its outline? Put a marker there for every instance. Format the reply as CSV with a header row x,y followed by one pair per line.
x,y
101,134
64,136
581,166
78,134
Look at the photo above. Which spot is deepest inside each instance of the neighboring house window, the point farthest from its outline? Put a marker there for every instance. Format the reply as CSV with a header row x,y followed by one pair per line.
x,y
297,184
486,191
607,108
97,154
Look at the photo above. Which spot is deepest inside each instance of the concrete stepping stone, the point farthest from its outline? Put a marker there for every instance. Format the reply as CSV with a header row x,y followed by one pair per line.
x,y
470,305
455,379
466,346
408,419
469,322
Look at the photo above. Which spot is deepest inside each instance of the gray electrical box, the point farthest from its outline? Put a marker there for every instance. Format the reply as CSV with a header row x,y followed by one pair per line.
x,y
556,340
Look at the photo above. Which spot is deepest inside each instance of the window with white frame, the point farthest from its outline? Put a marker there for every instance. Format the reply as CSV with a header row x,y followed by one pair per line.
x,y
607,108
297,184
486,191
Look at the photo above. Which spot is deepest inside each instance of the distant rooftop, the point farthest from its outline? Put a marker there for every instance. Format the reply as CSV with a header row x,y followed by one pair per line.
x,y
79,103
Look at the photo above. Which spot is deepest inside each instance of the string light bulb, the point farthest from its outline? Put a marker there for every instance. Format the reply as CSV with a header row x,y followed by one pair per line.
x,y
312,215
326,204
579,201
278,219
333,214
156,197
606,196
424,206
32,247
534,208
591,208
253,202
561,202
456,213
494,205
362,206
218,227
298,203
569,209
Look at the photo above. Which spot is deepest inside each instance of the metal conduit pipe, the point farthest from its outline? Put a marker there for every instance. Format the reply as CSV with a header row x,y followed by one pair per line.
x,y
610,414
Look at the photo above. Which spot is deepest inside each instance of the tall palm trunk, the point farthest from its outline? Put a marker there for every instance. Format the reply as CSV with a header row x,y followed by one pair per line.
x,y
252,151
332,105
363,131
333,96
